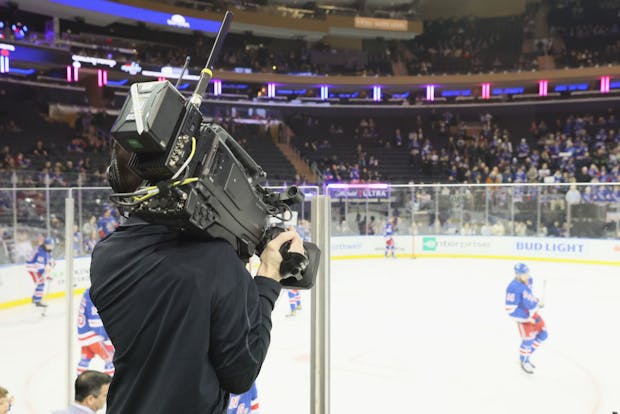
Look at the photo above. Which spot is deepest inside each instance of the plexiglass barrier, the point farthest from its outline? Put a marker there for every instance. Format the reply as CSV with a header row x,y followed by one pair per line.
x,y
592,210
537,210
29,215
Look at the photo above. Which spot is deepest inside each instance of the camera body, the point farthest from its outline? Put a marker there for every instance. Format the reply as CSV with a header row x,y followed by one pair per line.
x,y
197,178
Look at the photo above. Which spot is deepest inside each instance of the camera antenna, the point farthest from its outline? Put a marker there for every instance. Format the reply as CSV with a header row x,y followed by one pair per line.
x,y
182,72
207,72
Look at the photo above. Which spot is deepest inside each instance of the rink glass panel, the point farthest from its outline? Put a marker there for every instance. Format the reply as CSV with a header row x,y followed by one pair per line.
x,y
29,214
359,209
90,206
285,376
534,210
288,356
598,213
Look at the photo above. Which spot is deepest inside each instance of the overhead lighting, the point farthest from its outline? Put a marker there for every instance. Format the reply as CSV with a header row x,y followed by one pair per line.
x,y
376,93
217,87
118,83
605,80
486,90
543,87
324,92
25,72
271,90
430,92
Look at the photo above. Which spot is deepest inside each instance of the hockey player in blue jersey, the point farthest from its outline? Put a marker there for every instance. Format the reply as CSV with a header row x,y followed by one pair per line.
x,y
522,306
107,223
246,403
93,338
294,301
39,266
388,233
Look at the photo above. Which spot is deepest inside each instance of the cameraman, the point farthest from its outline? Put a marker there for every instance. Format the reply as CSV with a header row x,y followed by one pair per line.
x,y
188,322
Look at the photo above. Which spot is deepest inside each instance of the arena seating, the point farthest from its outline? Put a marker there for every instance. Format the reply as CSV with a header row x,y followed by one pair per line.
x,y
584,33
459,142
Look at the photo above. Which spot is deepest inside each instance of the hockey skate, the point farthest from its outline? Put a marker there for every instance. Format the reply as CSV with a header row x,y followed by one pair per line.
x,y
527,367
293,313
40,305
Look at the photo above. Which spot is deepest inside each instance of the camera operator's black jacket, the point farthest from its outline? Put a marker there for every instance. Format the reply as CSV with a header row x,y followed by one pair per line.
x,y
188,322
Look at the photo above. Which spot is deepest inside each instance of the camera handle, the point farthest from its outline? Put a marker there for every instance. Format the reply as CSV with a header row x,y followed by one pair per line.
x,y
298,270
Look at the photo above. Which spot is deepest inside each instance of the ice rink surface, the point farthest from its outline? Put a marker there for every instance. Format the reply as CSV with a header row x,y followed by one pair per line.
x,y
425,336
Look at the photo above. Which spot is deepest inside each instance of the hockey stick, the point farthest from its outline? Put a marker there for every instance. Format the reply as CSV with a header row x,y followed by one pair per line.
x,y
544,291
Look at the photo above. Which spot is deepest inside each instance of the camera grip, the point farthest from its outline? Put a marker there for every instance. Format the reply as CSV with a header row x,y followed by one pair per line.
x,y
297,270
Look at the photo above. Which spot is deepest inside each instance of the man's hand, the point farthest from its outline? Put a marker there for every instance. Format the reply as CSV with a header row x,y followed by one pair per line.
x,y
271,257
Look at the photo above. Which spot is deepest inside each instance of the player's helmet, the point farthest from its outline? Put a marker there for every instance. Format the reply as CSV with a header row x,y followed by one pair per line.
x,y
49,244
521,269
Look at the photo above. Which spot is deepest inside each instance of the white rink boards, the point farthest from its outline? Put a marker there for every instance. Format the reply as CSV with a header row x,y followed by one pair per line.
x,y
408,335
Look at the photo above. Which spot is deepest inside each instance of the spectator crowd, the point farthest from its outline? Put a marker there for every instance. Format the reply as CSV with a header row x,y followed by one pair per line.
x,y
580,34
574,147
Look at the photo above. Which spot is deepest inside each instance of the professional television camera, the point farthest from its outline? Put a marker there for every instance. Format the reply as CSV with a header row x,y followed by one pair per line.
x,y
197,178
